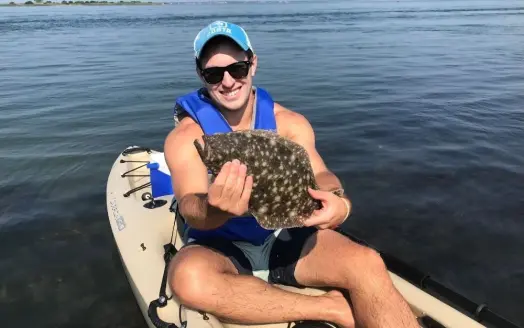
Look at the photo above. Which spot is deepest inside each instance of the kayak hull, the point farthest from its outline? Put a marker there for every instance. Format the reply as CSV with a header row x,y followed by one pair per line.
x,y
140,232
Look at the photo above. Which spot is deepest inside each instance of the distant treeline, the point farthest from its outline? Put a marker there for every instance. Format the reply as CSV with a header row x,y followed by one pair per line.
x,y
79,2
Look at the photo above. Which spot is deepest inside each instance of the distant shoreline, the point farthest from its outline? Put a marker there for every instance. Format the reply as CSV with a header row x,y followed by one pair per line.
x,y
41,3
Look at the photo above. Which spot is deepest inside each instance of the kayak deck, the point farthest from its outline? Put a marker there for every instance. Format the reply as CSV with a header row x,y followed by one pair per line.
x,y
141,231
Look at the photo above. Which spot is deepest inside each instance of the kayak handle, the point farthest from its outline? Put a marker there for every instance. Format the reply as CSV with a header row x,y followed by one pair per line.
x,y
135,149
155,319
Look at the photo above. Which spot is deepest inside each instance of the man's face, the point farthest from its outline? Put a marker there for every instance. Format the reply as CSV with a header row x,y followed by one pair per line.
x,y
230,93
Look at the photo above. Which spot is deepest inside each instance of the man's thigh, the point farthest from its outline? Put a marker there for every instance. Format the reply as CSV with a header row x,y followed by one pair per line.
x,y
317,258
330,259
199,265
219,254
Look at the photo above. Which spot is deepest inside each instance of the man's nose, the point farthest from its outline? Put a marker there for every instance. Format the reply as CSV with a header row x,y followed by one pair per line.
x,y
228,81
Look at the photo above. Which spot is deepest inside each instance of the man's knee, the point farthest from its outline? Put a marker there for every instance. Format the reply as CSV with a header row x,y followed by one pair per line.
x,y
368,267
371,260
185,279
189,274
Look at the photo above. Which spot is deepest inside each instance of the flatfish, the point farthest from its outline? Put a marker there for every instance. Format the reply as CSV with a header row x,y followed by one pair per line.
x,y
281,173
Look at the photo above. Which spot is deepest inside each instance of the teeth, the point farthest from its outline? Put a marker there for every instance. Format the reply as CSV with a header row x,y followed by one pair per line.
x,y
232,93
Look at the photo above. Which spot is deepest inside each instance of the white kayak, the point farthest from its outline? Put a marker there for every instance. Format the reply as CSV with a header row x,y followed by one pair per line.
x,y
144,228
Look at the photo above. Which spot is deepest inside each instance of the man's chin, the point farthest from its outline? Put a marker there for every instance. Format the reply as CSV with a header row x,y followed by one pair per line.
x,y
232,108
234,105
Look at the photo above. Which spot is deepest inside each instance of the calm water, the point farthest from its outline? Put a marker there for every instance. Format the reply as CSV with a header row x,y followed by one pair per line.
x,y
417,106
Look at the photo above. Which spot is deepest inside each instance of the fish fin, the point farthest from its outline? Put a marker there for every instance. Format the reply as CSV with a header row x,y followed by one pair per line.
x,y
339,192
202,151
273,223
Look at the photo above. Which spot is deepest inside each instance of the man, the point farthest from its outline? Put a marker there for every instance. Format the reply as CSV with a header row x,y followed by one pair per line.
x,y
230,263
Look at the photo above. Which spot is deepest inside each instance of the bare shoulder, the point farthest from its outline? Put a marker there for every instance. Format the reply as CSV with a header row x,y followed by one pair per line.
x,y
182,136
293,125
188,173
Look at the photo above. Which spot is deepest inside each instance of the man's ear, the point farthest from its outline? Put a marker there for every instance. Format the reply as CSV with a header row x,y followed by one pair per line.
x,y
254,61
199,75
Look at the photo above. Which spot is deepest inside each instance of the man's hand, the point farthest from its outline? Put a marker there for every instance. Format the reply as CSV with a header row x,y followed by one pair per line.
x,y
231,189
332,213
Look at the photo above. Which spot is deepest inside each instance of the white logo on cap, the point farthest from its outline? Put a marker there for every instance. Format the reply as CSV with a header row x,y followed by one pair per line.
x,y
218,29
220,23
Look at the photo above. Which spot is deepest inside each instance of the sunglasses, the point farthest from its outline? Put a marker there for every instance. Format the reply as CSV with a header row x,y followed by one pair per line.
x,y
238,70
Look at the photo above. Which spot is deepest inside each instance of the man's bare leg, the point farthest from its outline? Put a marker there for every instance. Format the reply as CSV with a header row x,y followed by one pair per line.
x,y
331,259
205,280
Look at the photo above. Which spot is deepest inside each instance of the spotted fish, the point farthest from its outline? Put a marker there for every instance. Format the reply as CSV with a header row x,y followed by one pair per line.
x,y
281,173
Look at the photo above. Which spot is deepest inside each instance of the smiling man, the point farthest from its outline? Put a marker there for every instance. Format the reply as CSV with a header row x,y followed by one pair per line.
x,y
230,263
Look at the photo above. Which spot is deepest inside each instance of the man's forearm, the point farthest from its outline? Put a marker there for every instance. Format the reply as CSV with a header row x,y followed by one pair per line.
x,y
199,214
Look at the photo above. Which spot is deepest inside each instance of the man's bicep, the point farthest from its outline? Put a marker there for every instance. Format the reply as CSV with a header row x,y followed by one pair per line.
x,y
304,135
188,173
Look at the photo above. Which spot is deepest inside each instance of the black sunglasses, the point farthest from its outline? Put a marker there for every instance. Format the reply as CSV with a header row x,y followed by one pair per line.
x,y
238,70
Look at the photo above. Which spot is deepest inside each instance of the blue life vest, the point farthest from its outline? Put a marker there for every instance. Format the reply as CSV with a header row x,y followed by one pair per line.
x,y
202,110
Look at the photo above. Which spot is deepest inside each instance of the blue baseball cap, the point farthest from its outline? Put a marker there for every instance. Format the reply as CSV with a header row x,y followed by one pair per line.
x,y
235,32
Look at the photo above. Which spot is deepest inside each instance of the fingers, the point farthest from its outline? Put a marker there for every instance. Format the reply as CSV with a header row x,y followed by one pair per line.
x,y
231,180
319,222
319,194
324,217
215,190
239,182
231,189
317,218
220,179
246,193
